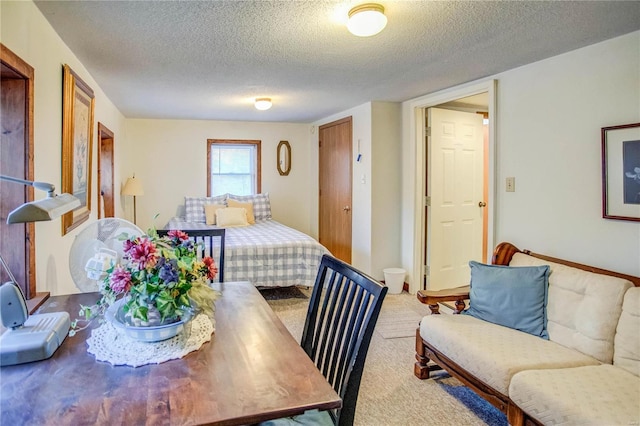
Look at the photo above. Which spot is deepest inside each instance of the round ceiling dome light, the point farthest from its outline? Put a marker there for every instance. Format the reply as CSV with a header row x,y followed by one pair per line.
x,y
366,20
263,103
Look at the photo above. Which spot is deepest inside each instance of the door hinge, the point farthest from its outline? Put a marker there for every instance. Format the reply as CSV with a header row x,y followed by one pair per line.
x,y
427,201
427,131
425,270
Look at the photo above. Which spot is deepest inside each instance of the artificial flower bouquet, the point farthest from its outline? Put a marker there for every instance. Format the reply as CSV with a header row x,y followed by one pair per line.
x,y
161,278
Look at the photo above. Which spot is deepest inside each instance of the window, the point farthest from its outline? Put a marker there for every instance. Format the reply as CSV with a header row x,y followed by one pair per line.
x,y
233,166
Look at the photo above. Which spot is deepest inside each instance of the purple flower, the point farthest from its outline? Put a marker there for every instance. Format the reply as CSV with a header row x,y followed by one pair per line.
x,y
169,271
187,244
120,280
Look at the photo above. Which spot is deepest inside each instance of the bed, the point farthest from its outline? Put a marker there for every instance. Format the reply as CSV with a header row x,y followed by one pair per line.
x,y
266,253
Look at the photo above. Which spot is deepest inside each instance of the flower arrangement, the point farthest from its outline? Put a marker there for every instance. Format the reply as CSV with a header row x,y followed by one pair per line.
x,y
158,277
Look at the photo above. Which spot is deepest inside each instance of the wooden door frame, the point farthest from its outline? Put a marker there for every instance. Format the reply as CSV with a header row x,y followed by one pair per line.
x,y
415,144
13,61
104,133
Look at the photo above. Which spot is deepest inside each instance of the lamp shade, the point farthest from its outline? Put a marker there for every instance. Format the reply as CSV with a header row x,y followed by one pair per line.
x,y
263,103
48,208
133,187
45,209
366,20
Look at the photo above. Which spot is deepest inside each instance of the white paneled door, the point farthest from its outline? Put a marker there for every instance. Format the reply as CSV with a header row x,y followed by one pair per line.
x,y
455,185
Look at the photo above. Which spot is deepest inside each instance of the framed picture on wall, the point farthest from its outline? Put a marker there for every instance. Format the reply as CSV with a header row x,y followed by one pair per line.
x,y
77,142
621,172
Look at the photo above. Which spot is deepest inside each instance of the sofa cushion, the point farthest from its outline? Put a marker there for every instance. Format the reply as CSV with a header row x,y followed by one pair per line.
x,y
494,353
515,297
583,307
627,341
593,395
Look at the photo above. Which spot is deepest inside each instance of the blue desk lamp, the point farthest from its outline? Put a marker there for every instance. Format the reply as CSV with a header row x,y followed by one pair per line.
x,y
35,337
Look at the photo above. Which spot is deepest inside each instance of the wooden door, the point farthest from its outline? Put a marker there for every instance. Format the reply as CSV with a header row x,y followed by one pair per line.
x,y
456,174
17,241
335,156
105,172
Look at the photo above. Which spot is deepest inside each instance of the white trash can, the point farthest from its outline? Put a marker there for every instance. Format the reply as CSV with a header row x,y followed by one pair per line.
x,y
394,279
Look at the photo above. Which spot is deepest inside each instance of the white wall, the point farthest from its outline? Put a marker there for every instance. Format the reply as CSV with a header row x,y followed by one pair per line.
x,y
25,31
170,159
385,176
548,121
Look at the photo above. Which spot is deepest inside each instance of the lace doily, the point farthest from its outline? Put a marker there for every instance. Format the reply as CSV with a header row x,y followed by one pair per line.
x,y
108,344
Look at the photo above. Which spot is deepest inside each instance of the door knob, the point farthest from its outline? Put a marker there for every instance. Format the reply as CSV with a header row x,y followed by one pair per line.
x,y
482,204
346,208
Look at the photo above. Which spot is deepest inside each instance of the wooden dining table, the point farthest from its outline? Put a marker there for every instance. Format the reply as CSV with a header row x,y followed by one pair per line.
x,y
252,370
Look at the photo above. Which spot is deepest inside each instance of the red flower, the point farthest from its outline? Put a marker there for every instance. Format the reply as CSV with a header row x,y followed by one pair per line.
x,y
212,269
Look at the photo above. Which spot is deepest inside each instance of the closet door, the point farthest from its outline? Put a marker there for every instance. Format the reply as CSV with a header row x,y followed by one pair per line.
x,y
335,148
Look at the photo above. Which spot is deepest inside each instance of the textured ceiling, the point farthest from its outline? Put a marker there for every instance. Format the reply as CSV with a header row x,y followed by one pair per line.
x,y
208,60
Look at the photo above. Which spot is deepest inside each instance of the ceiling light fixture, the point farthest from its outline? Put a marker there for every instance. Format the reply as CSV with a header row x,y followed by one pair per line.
x,y
366,20
263,103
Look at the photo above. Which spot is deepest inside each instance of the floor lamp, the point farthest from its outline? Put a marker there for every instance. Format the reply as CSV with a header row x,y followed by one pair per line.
x,y
133,187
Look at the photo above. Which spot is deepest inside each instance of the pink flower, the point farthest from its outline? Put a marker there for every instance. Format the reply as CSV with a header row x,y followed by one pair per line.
x,y
127,246
143,253
175,233
120,280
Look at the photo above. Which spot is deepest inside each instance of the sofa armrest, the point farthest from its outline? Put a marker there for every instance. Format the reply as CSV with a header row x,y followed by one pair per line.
x,y
433,297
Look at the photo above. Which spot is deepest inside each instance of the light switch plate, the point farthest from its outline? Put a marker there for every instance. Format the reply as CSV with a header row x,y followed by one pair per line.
x,y
511,184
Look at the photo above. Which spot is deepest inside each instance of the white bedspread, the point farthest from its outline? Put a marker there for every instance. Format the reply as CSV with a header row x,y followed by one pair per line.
x,y
267,254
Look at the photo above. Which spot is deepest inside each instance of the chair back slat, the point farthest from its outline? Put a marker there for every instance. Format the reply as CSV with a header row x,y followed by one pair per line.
x,y
337,368
210,242
336,328
343,310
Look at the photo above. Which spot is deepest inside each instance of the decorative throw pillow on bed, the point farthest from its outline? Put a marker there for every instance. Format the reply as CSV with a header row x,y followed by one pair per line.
x,y
194,207
231,216
261,204
511,296
210,212
247,206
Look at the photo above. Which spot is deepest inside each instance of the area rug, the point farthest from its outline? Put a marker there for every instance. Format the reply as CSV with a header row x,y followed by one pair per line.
x,y
393,328
485,411
278,293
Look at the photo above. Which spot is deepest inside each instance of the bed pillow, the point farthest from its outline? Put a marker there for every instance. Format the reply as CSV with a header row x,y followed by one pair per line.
x,y
231,216
512,296
247,206
210,212
194,207
261,204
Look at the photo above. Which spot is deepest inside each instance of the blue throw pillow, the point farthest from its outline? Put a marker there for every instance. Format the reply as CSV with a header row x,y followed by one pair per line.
x,y
512,296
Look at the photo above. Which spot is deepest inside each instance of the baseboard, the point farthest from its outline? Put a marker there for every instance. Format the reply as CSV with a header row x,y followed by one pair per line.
x,y
405,286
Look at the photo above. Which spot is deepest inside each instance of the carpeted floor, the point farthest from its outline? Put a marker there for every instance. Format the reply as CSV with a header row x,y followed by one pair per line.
x,y
389,393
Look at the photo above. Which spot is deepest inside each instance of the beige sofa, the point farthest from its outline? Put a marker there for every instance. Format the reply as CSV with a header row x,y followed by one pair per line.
x,y
586,373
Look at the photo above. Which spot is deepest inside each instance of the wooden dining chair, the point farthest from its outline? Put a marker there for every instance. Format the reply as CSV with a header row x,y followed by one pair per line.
x,y
343,311
210,242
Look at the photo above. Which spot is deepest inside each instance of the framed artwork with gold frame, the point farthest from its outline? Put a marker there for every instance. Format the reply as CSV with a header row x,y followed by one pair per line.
x,y
77,143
